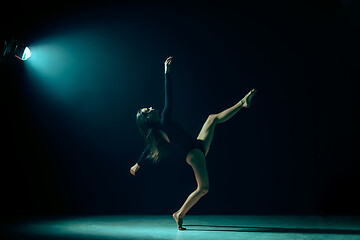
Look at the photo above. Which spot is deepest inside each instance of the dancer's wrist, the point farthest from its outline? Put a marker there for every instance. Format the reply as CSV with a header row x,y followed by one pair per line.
x,y
167,69
167,64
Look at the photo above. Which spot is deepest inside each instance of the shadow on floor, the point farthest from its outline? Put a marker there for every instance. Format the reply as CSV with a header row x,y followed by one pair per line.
x,y
271,229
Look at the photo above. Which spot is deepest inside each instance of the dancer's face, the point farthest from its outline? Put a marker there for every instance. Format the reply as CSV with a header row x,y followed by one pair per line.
x,y
151,113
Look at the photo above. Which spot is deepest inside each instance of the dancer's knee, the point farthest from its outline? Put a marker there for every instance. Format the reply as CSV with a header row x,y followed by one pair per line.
x,y
203,190
212,119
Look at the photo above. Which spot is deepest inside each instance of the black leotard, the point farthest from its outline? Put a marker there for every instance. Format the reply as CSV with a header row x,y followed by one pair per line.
x,y
177,135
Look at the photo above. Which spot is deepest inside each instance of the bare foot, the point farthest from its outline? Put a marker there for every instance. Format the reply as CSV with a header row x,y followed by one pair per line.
x,y
248,97
179,220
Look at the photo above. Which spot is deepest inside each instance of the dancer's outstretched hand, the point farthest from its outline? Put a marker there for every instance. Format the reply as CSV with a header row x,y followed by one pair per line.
x,y
134,169
167,64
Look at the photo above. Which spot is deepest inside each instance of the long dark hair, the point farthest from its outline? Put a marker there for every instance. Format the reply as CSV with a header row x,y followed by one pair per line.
x,y
149,129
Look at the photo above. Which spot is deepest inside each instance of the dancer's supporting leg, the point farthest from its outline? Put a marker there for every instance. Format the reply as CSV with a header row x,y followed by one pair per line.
x,y
197,159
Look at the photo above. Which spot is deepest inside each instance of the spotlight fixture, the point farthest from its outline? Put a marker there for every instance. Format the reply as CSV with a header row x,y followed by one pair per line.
x,y
16,49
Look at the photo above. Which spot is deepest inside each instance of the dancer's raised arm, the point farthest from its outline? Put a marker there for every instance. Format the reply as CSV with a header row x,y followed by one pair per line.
x,y
168,106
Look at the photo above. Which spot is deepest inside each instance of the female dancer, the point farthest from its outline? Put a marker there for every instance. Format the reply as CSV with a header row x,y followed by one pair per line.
x,y
159,132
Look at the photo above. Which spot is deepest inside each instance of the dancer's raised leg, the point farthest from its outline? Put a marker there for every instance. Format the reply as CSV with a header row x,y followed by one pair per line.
x,y
207,132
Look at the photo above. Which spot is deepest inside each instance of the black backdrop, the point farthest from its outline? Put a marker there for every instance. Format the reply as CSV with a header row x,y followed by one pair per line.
x,y
294,151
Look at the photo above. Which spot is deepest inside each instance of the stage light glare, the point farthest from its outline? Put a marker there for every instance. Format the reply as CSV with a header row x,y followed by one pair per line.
x,y
22,52
26,54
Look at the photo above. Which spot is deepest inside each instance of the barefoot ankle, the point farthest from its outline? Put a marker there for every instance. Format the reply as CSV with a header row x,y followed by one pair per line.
x,y
179,220
247,99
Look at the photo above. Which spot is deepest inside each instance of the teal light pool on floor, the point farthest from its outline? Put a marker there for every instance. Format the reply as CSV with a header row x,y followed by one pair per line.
x,y
219,227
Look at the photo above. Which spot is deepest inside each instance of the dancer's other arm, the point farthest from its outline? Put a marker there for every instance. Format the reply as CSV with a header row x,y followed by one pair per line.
x,y
141,161
134,169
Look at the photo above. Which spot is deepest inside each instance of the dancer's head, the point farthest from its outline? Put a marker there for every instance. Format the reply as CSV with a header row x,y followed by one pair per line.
x,y
147,118
148,122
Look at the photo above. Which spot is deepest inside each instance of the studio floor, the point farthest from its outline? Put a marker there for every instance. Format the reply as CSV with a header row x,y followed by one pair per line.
x,y
219,227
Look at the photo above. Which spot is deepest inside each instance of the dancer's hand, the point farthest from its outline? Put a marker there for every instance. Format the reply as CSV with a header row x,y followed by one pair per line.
x,y
167,64
134,169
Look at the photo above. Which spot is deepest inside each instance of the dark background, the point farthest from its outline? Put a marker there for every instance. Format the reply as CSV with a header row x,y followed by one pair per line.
x,y
294,152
